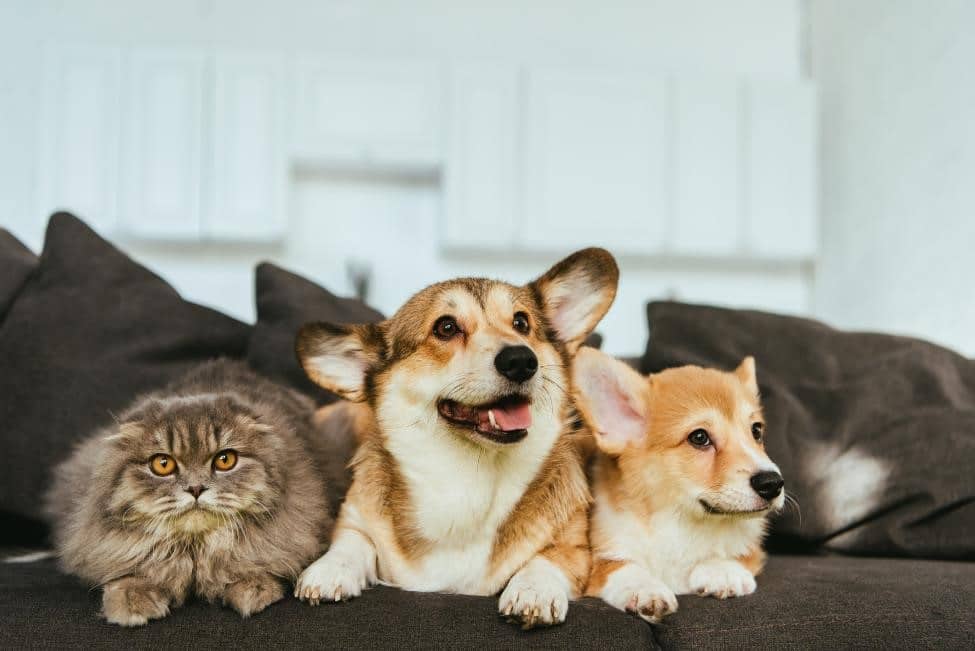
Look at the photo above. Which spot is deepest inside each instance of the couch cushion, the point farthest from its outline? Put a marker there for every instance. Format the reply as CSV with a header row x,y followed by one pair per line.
x,y
45,609
875,434
16,263
834,602
285,302
89,330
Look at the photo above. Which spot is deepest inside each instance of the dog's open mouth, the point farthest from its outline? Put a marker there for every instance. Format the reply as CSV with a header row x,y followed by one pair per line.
x,y
504,421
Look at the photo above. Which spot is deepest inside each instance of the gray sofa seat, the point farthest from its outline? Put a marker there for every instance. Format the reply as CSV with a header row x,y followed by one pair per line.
x,y
836,602
802,602
42,608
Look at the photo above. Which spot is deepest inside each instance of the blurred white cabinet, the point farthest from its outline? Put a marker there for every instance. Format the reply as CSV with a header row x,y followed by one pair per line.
x,y
706,216
172,143
368,113
781,170
164,143
481,170
596,161
78,135
691,167
247,179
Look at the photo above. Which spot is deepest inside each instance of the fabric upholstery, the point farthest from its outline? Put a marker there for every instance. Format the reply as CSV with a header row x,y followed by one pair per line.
x,y
45,609
285,302
832,602
826,602
16,264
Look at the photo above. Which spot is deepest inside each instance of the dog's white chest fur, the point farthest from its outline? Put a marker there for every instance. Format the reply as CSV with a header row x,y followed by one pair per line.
x,y
460,494
670,543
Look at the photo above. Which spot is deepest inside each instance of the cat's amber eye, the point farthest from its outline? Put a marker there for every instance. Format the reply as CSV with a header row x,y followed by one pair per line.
x,y
225,460
162,465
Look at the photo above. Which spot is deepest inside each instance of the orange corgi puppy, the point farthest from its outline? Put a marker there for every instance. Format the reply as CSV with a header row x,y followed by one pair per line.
x,y
469,476
681,485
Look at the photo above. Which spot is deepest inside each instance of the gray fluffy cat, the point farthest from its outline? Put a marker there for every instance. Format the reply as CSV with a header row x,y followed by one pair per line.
x,y
209,487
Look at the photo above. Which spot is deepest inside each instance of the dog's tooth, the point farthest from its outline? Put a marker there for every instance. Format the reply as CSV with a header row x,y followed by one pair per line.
x,y
494,423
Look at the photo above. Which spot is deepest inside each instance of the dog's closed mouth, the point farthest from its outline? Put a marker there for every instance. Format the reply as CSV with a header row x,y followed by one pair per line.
x,y
714,510
504,421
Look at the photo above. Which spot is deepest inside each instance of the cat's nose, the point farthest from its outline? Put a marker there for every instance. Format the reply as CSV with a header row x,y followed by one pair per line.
x,y
195,491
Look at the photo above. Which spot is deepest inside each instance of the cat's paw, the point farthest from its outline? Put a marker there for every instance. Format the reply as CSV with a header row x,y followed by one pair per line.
x,y
721,579
130,602
253,594
634,589
331,578
538,595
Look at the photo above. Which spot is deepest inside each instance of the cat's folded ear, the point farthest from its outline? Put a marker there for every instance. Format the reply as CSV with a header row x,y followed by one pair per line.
x,y
613,399
577,292
125,431
339,358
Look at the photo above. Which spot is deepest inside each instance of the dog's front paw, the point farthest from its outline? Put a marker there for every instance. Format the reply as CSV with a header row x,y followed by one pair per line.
x,y
253,594
538,595
633,589
722,579
651,602
133,602
330,578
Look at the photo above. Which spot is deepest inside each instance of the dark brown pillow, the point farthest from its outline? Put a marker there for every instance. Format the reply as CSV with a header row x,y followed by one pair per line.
x,y
89,330
875,434
16,264
285,302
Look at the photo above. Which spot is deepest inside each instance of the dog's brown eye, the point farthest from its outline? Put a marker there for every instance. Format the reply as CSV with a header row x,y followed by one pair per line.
x,y
699,438
757,430
162,465
225,460
446,327
520,323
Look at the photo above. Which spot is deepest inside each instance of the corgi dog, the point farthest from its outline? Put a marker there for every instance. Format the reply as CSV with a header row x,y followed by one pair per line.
x,y
682,485
469,475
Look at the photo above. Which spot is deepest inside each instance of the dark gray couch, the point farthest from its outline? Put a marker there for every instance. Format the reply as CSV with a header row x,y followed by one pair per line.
x,y
802,602
83,329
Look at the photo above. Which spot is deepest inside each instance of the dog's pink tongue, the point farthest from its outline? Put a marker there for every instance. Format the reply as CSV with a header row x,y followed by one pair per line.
x,y
511,418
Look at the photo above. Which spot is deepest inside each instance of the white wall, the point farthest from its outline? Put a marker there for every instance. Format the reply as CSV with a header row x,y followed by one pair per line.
x,y
897,89
391,222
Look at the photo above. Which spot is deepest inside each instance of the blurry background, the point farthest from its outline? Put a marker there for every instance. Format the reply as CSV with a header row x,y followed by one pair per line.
x,y
810,157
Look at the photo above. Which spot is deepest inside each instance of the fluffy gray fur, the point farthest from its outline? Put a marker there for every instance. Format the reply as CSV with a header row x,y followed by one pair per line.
x,y
149,543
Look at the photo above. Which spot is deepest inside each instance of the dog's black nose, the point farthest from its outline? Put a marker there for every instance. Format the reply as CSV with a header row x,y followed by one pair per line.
x,y
517,363
196,491
768,484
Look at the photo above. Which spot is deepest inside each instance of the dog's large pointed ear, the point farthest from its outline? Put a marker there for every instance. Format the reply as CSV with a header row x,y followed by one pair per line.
x,y
577,292
747,375
613,398
339,357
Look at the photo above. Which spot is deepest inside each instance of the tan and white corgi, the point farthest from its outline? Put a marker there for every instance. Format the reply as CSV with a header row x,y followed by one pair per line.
x,y
681,486
469,476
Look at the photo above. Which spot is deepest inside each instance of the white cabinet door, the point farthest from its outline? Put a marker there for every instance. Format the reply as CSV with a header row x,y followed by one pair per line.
x,y
247,183
596,161
707,216
164,143
480,178
368,113
781,170
78,139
